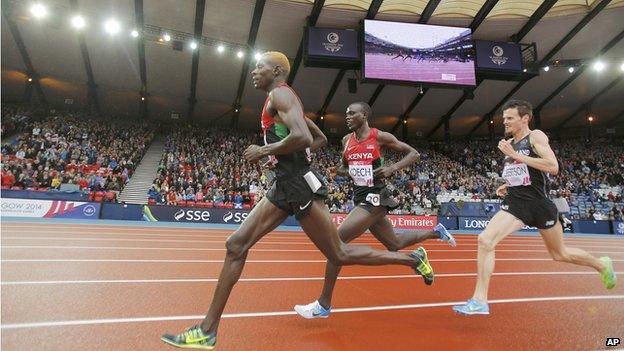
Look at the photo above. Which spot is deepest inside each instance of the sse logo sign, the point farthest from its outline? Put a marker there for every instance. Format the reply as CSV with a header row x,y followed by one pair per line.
x,y
192,216
235,217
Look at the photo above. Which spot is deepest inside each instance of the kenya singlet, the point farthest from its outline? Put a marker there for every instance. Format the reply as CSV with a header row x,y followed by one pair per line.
x,y
286,165
363,157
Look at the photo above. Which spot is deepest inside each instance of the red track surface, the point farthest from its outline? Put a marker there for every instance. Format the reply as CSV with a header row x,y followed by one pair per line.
x,y
56,273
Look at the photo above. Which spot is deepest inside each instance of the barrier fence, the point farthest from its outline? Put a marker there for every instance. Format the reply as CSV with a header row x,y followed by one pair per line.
x,y
36,208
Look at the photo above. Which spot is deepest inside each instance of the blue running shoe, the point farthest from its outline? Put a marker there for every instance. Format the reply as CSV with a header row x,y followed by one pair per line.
x,y
445,235
472,307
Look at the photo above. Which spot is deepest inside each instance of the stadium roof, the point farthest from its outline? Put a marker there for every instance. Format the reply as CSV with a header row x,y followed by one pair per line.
x,y
66,65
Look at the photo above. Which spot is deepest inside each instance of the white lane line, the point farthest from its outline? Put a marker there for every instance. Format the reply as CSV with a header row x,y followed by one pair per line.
x,y
293,234
38,260
59,247
208,228
148,240
276,279
261,242
290,313
300,237
146,248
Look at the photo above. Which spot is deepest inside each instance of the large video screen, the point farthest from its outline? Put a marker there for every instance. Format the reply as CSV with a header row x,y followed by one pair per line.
x,y
418,53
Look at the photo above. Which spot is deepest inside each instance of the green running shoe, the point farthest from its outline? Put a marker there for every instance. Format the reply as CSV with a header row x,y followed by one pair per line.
x,y
609,279
192,338
423,267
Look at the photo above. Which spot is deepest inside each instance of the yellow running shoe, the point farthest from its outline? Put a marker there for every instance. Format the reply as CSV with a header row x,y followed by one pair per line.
x,y
422,265
609,279
192,338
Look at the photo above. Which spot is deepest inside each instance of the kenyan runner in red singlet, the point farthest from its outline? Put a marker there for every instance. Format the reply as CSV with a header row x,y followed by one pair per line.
x,y
363,161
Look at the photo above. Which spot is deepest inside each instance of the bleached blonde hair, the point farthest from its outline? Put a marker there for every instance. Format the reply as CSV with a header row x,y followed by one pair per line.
x,y
276,58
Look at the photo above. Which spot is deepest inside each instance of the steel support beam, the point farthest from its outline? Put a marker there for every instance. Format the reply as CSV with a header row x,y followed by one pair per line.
x,y
311,21
200,8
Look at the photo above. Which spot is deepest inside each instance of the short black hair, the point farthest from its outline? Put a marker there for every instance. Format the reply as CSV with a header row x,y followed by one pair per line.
x,y
523,107
368,111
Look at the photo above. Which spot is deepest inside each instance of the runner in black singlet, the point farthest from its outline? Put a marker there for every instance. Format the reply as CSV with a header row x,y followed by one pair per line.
x,y
528,157
297,190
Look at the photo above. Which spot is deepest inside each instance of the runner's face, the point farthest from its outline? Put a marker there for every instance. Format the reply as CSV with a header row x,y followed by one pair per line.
x,y
262,75
512,121
355,117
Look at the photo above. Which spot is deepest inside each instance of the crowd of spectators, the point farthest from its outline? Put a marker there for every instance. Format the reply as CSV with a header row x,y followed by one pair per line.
x,y
16,117
202,166
95,154
206,167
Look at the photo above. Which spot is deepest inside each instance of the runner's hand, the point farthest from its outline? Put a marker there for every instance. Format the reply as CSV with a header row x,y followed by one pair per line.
x,y
502,190
506,148
253,153
383,172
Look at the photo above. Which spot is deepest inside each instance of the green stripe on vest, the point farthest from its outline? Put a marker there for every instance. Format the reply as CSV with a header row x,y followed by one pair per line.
x,y
281,130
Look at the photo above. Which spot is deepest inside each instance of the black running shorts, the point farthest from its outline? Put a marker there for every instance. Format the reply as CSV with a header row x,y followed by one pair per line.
x,y
541,213
375,198
294,195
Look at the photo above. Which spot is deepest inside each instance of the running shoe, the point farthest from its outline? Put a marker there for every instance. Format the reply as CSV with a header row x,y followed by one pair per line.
x,y
422,266
472,307
609,279
312,310
192,338
445,235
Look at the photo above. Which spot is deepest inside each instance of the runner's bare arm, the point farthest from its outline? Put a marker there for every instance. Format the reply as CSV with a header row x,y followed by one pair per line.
x,y
343,169
390,141
546,162
318,138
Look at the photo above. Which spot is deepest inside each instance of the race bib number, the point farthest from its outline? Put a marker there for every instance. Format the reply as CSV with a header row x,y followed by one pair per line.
x,y
517,174
362,175
373,199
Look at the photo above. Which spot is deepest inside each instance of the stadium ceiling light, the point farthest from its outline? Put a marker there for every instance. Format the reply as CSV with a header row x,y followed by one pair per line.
x,y
112,26
240,54
590,118
167,37
142,98
134,33
220,48
524,70
78,22
29,79
257,56
599,66
193,45
546,68
571,69
38,10
622,67
322,118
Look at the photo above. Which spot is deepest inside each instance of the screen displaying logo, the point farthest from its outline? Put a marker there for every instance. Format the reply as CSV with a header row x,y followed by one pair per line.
x,y
498,57
332,42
